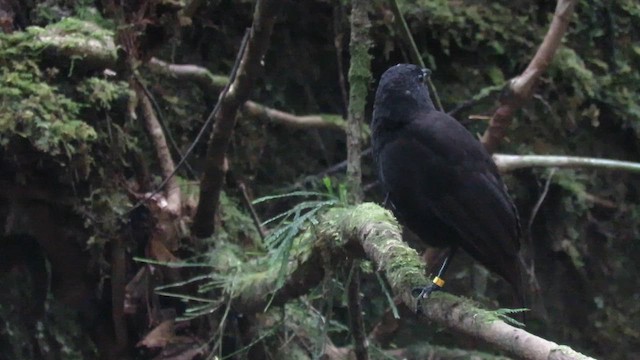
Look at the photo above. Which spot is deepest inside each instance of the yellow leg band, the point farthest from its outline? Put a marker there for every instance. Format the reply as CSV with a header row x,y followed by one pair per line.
x,y
438,281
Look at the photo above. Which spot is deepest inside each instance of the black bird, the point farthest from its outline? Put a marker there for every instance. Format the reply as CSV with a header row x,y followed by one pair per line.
x,y
439,180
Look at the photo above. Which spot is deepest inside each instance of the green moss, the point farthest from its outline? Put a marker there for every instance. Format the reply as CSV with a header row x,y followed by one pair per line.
x,y
237,225
53,11
102,93
359,77
33,109
334,119
401,264
37,102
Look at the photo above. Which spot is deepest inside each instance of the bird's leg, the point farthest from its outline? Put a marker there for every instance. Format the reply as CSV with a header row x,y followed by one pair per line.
x,y
437,282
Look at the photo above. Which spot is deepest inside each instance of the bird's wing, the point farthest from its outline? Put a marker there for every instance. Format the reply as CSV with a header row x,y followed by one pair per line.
x,y
436,167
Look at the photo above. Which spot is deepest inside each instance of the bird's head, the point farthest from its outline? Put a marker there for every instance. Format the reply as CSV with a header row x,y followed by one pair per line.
x,y
402,92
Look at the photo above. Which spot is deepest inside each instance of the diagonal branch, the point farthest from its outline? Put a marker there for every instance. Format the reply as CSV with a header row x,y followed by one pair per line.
x,y
225,119
171,188
381,240
520,88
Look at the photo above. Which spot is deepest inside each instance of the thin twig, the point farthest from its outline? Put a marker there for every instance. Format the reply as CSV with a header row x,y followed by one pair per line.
x,y
483,94
413,48
530,264
536,207
337,42
252,210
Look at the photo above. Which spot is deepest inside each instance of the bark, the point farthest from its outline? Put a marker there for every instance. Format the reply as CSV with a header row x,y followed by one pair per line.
x,y
520,88
235,95
359,78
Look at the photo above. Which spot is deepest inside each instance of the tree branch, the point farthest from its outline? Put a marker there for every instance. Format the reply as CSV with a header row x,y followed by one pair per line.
x,y
359,78
167,166
322,121
512,162
372,229
214,83
381,240
225,119
520,88
187,72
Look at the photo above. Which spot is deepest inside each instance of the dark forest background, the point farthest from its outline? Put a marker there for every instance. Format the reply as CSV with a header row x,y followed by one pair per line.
x,y
85,246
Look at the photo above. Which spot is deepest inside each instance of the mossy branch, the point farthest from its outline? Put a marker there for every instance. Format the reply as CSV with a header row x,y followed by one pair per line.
x,y
359,79
78,41
371,231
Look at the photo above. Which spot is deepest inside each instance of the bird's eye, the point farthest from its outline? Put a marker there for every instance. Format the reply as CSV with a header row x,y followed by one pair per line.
x,y
424,75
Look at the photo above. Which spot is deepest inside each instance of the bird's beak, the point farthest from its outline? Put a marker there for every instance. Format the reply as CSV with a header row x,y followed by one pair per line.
x,y
426,72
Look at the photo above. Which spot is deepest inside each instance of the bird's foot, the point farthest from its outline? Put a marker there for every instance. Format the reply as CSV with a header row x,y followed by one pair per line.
x,y
424,293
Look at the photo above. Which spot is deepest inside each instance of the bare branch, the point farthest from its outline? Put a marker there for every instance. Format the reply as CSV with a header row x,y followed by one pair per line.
x,y
521,88
225,119
512,162
187,72
214,83
171,187
252,210
323,121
